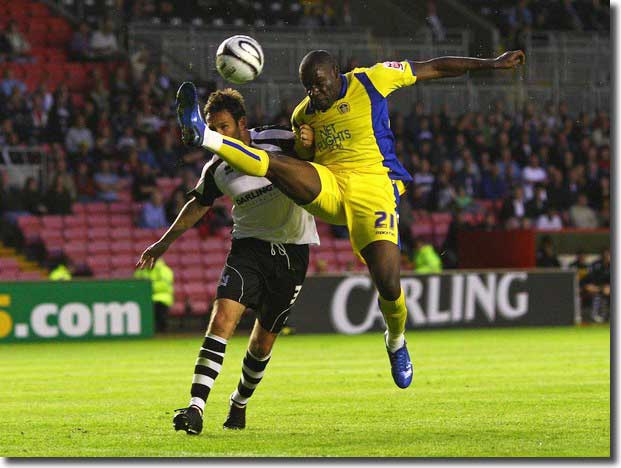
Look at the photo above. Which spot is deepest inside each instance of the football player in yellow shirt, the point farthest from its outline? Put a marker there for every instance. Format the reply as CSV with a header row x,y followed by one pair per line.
x,y
352,175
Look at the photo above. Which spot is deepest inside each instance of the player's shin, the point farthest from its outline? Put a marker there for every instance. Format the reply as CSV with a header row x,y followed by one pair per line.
x,y
207,369
395,314
243,158
253,369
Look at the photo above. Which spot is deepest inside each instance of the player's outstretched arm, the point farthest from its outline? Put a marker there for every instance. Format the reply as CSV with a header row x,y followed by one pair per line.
x,y
444,67
187,217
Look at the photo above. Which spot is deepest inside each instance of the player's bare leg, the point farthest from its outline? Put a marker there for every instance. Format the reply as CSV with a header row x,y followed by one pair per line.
x,y
383,259
225,316
253,367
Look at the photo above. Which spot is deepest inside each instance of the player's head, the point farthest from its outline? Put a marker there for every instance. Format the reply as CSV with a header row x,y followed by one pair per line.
x,y
319,74
225,113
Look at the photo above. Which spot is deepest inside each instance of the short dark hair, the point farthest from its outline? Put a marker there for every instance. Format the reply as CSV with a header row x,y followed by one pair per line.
x,y
226,100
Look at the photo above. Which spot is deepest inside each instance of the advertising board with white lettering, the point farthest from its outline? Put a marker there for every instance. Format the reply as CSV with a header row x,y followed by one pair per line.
x,y
348,304
69,310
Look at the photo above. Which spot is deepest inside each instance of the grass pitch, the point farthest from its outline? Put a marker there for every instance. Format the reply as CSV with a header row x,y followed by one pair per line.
x,y
476,393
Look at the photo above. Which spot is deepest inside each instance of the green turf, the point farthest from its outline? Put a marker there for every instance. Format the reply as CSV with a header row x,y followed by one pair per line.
x,y
495,392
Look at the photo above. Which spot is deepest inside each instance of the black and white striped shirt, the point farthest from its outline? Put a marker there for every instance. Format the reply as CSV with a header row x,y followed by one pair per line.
x,y
260,210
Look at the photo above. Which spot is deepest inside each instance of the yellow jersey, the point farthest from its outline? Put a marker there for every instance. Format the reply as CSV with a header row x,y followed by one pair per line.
x,y
354,134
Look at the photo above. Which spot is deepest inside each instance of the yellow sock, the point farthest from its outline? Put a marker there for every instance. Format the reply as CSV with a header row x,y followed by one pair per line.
x,y
251,161
395,314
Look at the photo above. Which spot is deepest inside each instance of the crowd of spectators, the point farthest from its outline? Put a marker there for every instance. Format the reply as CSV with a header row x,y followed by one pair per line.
x,y
545,168
515,18
305,13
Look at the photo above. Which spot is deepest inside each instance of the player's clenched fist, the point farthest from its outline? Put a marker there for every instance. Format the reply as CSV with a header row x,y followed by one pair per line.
x,y
510,59
307,135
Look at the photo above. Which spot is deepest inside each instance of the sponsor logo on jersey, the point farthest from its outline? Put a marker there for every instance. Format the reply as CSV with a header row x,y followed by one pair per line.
x,y
396,65
246,197
343,108
331,138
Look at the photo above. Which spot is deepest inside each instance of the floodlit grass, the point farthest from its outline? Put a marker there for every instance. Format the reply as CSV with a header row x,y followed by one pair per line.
x,y
541,392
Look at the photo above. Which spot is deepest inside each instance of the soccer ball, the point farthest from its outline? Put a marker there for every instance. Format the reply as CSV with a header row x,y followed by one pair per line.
x,y
239,59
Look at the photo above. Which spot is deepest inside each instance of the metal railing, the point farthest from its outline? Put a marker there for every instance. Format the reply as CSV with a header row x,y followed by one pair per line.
x,y
19,163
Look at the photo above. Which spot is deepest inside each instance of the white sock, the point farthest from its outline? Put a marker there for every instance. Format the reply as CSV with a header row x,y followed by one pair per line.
x,y
394,342
195,401
211,140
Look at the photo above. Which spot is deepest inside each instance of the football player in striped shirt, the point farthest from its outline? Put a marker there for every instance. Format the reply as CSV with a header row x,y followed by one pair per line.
x,y
265,268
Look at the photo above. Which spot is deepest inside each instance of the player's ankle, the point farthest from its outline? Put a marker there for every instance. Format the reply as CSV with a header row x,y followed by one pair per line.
x,y
200,410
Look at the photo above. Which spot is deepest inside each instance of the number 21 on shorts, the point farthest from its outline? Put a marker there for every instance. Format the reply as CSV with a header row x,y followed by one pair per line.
x,y
381,217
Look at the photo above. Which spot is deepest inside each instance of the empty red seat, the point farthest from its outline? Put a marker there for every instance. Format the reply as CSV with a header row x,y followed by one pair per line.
x,y
199,307
213,274
96,208
120,220
52,222
76,233
191,274
98,233
122,248
124,262
178,309
37,9
120,208
98,263
98,247
30,276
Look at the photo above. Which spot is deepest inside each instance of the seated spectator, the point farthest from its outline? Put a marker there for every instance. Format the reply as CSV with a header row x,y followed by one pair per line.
x,y
582,215
20,47
493,186
513,210
79,135
595,289
434,23
38,118
538,205
550,220
31,198
144,183
167,155
546,256
84,183
145,154
174,206
469,175
426,260
103,42
80,45
5,48
423,178
531,175
443,193
60,171
9,82
153,215
580,264
489,222
100,96
57,198
107,182
59,117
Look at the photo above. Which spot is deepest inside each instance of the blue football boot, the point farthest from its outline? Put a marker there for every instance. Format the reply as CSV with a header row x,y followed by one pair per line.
x,y
401,366
189,115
